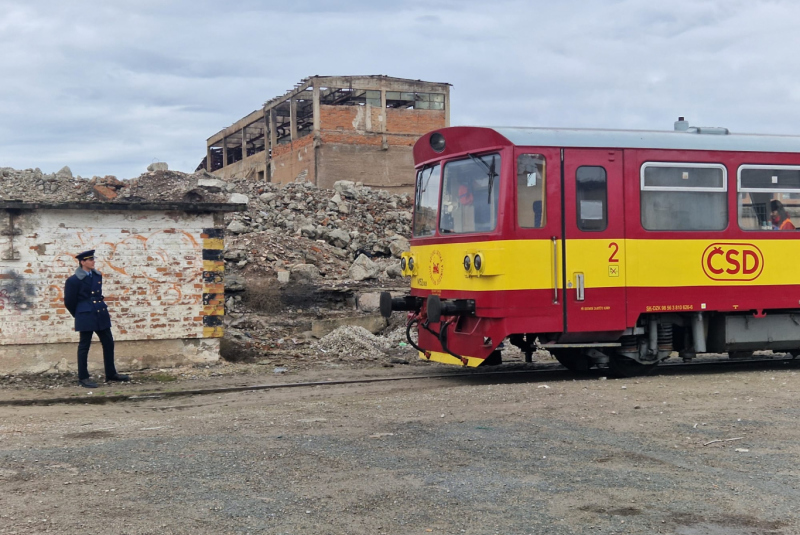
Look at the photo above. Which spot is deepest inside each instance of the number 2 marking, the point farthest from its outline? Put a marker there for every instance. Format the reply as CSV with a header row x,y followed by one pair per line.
x,y
613,258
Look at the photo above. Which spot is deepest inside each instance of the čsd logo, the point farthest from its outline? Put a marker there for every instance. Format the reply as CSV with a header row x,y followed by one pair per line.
x,y
436,267
732,261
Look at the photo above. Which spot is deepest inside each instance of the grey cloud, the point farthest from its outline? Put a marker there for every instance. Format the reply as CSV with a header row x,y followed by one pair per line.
x,y
106,87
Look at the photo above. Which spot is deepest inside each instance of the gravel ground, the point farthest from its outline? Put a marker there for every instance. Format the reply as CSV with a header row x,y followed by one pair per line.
x,y
517,453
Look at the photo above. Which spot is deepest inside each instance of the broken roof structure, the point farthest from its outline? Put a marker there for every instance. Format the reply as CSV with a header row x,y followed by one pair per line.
x,y
330,128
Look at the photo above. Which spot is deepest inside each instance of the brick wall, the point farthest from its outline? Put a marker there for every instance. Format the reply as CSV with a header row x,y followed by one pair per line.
x,y
249,167
391,169
415,122
293,160
162,273
368,119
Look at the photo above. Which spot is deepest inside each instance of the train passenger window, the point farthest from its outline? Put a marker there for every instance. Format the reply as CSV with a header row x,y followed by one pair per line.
x,y
470,194
769,197
426,200
591,198
531,211
684,196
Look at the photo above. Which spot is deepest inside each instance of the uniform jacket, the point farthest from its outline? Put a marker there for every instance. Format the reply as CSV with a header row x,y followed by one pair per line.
x,y
83,297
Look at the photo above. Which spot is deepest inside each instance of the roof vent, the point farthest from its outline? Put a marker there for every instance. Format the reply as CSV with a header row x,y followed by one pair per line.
x,y
714,130
682,125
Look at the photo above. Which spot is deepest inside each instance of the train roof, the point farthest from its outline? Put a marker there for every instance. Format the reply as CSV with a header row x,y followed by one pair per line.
x,y
697,138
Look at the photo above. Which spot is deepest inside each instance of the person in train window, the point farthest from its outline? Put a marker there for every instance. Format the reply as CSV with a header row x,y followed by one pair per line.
x,y
465,197
780,219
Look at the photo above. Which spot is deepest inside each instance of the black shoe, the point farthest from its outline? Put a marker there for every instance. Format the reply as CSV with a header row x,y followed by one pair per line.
x,y
87,383
121,377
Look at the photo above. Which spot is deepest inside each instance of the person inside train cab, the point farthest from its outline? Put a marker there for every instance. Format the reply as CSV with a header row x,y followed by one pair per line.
x,y
780,219
465,197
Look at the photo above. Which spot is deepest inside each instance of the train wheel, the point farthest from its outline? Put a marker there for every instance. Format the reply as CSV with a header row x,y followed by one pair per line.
x,y
625,367
573,360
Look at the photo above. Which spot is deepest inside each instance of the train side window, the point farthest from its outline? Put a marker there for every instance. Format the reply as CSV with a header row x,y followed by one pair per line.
x,y
769,197
426,200
684,196
531,205
591,198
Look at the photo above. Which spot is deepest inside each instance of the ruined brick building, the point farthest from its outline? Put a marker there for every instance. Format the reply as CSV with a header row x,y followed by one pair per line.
x,y
330,128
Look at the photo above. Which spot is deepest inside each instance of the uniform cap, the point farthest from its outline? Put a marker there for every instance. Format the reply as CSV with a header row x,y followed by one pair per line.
x,y
86,255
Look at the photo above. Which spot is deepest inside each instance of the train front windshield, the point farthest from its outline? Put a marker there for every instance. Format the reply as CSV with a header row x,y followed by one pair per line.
x,y
470,194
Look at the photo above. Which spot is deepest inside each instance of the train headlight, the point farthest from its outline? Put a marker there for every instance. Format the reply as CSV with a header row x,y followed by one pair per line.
x,y
411,264
403,263
478,262
467,263
437,142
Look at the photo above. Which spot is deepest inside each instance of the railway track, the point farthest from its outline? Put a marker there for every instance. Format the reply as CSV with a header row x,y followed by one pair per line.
x,y
509,372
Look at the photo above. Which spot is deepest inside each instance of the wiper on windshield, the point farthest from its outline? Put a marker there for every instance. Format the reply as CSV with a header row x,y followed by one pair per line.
x,y
490,171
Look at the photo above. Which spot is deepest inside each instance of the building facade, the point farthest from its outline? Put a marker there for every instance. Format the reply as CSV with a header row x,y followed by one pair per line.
x,y
331,128
162,271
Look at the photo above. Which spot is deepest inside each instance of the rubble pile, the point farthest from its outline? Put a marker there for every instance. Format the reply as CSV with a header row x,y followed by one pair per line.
x,y
351,218
32,185
333,246
352,342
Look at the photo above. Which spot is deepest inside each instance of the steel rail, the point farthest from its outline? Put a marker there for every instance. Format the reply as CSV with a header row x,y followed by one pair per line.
x,y
548,369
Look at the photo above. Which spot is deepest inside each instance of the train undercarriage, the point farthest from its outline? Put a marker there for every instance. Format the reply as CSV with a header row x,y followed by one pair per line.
x,y
635,351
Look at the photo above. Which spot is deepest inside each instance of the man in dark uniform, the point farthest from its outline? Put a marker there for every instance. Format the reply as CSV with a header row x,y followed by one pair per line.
x,y
83,297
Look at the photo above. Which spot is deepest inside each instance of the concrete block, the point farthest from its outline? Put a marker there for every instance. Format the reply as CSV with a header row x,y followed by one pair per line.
x,y
369,302
158,166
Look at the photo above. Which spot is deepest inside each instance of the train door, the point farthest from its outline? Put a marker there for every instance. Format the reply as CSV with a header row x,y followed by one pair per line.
x,y
538,247
594,265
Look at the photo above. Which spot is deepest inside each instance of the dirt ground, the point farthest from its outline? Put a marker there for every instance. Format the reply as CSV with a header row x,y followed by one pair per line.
x,y
534,450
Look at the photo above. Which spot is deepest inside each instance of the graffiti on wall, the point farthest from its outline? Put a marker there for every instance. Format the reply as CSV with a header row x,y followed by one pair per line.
x,y
153,279
15,292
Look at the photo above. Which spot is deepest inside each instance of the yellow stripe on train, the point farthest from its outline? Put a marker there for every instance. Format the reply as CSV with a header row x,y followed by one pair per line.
x,y
536,264
446,358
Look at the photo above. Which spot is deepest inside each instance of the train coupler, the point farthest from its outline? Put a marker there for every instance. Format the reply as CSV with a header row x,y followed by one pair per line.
x,y
389,304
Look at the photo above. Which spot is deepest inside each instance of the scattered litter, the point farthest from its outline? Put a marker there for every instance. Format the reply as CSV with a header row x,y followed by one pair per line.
x,y
279,369
543,386
741,450
380,435
723,440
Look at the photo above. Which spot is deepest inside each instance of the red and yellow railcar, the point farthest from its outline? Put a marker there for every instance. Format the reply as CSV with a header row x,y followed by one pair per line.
x,y
607,247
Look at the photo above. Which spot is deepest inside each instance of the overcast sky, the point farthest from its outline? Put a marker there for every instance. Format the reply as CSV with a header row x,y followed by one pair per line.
x,y
109,87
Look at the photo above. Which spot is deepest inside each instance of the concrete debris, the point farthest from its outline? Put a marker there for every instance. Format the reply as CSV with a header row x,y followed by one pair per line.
x,y
352,342
158,166
304,272
238,198
363,268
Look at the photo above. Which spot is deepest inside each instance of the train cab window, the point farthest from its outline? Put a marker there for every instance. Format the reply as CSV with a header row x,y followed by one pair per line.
x,y
426,200
470,195
684,196
769,197
591,198
531,211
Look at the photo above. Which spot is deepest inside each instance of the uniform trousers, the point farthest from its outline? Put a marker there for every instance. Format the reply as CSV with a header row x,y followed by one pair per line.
x,y
108,353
